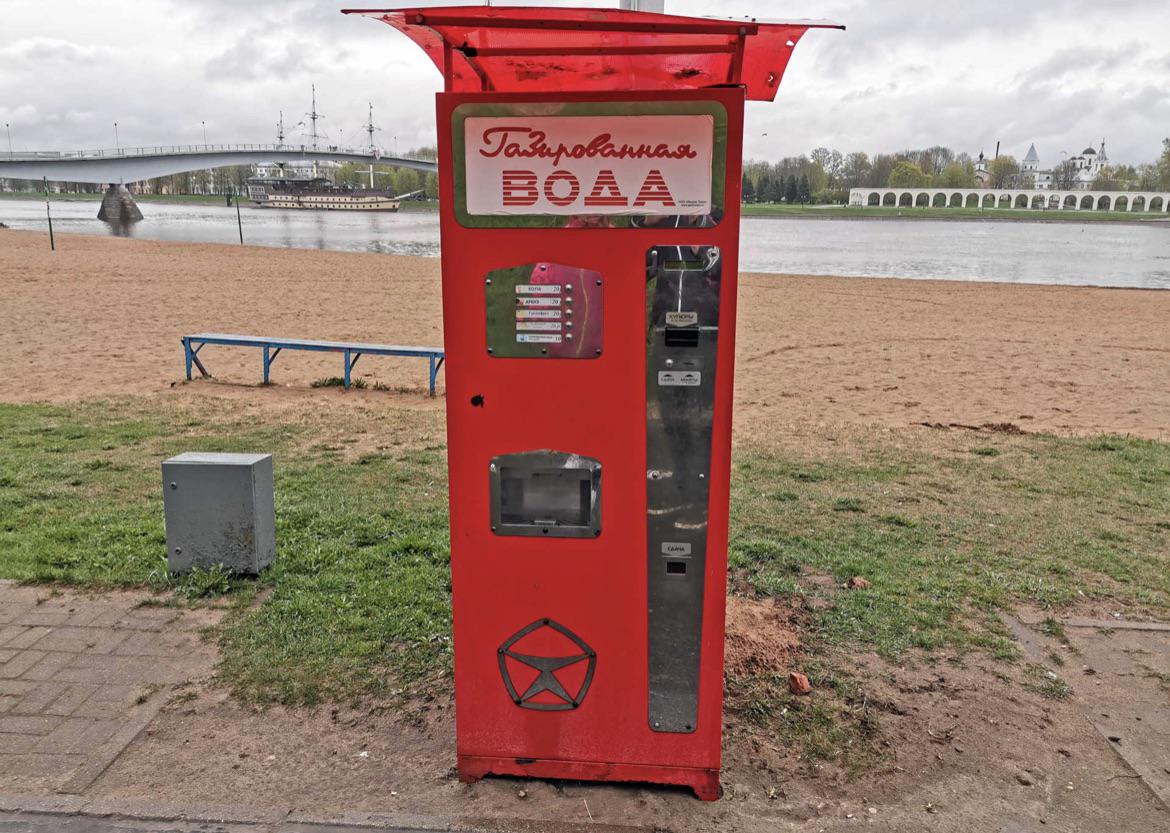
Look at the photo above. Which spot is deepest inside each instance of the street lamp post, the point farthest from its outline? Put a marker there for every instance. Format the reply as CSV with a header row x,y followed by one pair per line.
x,y
117,141
8,127
204,123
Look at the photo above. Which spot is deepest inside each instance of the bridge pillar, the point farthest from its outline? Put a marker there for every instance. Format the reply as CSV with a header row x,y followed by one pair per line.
x,y
118,206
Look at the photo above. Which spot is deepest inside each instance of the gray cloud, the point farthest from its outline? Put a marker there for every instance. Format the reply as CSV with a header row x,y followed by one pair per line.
x,y
907,73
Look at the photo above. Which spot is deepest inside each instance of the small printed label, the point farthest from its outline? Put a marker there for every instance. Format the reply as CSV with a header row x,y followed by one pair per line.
x,y
544,326
538,289
682,319
539,302
676,548
537,338
529,314
679,378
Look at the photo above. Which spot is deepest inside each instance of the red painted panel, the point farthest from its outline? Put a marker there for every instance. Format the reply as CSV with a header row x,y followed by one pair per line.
x,y
526,49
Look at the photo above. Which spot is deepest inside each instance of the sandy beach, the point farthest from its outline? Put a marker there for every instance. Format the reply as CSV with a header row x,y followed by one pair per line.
x,y
102,317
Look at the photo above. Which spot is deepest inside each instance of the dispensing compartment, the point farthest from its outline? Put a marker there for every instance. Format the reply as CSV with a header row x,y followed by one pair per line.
x,y
546,494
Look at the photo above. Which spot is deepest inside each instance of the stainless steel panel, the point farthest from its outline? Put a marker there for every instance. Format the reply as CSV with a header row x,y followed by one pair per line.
x,y
545,494
543,310
682,288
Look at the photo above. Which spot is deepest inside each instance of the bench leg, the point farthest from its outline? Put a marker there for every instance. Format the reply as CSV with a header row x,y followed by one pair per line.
x,y
347,369
267,363
432,371
188,356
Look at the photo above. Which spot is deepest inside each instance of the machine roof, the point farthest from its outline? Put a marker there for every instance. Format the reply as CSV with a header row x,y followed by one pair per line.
x,y
521,49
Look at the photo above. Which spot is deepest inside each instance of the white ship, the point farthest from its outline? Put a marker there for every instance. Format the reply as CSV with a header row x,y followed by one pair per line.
x,y
317,193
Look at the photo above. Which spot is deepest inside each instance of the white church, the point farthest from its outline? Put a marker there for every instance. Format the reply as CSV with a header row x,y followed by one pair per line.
x,y
1087,167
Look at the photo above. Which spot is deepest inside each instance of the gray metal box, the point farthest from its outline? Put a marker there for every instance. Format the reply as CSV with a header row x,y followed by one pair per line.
x,y
219,510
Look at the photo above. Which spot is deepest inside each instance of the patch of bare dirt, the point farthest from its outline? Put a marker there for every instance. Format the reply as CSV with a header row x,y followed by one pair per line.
x,y
762,637
968,748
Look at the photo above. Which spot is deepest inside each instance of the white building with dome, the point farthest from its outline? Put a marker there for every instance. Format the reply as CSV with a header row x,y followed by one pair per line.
x,y
1087,166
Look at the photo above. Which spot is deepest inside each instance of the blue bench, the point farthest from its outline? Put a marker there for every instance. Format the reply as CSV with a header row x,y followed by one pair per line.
x,y
352,351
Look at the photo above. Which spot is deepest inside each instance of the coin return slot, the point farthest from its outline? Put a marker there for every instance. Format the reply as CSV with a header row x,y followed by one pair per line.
x,y
676,568
682,336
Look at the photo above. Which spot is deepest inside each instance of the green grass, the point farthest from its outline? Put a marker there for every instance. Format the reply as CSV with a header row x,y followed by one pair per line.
x,y
947,537
906,212
358,601
359,591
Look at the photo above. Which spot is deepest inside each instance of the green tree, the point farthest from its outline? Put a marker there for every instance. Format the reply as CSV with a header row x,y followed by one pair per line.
x,y
957,175
906,174
855,170
818,180
1003,171
431,191
1164,165
748,190
775,190
791,191
804,190
764,187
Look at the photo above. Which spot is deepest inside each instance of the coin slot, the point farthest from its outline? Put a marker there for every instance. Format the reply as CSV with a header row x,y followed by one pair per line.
x,y
676,568
682,336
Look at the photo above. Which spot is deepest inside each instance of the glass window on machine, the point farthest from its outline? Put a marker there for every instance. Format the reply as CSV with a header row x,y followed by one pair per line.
x,y
546,493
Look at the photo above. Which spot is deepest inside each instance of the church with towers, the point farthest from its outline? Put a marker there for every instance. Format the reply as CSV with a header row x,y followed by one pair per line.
x,y
1086,167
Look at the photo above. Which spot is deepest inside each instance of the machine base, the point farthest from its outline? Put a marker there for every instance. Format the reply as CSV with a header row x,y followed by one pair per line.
x,y
704,782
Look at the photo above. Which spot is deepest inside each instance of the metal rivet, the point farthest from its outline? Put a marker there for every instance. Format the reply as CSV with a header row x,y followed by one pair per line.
x,y
488,282
174,485
599,283
597,352
670,362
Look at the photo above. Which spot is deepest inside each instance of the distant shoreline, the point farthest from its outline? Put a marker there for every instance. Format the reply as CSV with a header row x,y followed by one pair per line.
x,y
772,211
992,215
178,199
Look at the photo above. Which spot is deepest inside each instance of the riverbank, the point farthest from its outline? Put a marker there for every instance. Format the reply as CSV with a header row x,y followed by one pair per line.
x,y
178,199
810,349
992,215
164,199
827,212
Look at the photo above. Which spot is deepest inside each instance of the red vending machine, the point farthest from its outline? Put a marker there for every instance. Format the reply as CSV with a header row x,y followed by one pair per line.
x,y
589,188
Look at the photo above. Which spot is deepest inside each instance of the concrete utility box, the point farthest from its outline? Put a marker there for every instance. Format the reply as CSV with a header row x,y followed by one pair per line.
x,y
219,510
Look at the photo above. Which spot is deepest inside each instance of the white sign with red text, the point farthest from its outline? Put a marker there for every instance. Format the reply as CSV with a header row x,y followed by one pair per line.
x,y
583,165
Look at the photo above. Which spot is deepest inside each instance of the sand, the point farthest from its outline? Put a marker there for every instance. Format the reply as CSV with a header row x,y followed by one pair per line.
x,y
102,317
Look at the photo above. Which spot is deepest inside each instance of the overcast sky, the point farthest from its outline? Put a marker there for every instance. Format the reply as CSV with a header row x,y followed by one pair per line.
x,y
907,73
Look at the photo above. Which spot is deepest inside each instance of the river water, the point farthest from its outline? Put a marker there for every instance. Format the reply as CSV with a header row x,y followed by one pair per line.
x,y
1071,253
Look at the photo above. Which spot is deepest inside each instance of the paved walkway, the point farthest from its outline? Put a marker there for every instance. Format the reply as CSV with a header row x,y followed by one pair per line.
x,y
80,677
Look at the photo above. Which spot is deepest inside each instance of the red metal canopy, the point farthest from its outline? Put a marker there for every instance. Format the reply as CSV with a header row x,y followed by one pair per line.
x,y
527,49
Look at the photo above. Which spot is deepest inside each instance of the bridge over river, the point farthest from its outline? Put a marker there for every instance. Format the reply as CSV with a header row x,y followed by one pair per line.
x,y
118,166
